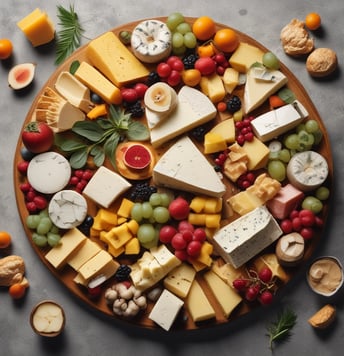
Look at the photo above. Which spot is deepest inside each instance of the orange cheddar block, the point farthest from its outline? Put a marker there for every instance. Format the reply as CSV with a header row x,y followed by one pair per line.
x,y
112,58
37,27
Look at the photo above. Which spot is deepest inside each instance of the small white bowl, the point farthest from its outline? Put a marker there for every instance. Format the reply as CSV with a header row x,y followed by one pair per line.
x,y
325,276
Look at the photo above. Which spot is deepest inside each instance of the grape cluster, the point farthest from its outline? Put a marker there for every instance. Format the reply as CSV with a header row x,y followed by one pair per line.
x,y
45,232
34,201
182,35
185,239
170,70
303,138
258,286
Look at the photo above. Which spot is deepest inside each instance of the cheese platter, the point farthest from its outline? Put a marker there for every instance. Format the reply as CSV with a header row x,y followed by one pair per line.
x,y
194,179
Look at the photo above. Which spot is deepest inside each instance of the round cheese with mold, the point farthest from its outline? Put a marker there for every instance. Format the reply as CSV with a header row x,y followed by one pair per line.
x,y
151,41
67,209
49,172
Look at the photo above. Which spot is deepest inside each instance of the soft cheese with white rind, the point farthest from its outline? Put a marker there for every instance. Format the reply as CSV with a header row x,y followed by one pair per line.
x,y
166,309
193,109
67,209
184,167
276,122
48,318
258,90
49,172
307,170
105,186
151,41
245,237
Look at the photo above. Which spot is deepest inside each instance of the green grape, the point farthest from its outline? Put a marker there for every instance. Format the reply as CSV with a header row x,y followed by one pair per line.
x,y
312,203
155,199
300,127
154,242
177,40
44,213
190,40
292,141
277,170
54,229
39,240
312,126
179,51
32,221
146,233
147,210
165,200
284,155
270,60
183,28
44,226
322,193
53,239
318,135
136,212
161,214
174,20
306,140
273,155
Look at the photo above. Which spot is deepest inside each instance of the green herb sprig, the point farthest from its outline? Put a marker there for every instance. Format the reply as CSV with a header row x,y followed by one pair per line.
x,y
282,327
69,37
100,138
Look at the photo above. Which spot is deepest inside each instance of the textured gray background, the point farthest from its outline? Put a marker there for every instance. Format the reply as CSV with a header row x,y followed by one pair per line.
x,y
88,333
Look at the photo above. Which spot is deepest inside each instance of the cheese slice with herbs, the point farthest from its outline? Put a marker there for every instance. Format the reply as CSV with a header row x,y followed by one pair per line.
x,y
184,167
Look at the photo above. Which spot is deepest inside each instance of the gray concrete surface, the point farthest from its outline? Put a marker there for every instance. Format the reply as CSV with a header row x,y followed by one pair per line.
x,y
87,333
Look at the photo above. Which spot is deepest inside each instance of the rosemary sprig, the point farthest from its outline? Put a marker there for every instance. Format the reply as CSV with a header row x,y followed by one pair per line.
x,y
69,37
282,327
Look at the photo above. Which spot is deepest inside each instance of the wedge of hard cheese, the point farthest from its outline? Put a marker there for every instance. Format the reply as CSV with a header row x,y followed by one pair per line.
x,y
184,167
109,55
245,237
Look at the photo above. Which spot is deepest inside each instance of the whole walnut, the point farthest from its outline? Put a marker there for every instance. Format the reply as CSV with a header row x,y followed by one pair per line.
x,y
12,270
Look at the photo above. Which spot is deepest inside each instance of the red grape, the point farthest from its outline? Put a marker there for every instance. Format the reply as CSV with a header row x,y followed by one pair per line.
x,y
194,248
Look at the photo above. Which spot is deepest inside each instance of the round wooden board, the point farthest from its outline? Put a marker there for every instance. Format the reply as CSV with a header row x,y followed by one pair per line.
x,y
66,275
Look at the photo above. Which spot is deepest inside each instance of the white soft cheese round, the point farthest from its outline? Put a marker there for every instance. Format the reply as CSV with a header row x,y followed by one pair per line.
x,y
67,209
49,172
151,41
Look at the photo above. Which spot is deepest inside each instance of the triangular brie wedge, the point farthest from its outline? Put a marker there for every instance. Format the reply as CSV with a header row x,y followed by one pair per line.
x,y
184,167
258,88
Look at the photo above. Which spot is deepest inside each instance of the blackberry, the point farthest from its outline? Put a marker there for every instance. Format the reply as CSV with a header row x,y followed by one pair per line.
x,y
122,273
142,192
198,133
234,104
189,61
135,109
153,78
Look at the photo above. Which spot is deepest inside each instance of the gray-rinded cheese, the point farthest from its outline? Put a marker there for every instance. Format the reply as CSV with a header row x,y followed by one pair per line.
x,y
67,209
49,172
184,167
245,237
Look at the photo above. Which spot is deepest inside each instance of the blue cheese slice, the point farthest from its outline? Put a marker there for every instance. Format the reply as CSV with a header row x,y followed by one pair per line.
x,y
258,88
67,209
193,109
184,167
105,186
49,172
245,237
276,122
166,309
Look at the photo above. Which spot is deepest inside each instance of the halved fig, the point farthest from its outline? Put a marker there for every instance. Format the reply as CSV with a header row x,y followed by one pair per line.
x,y
21,75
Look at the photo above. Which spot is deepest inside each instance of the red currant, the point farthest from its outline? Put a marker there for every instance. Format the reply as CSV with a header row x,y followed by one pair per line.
x,y
40,202
307,233
252,292
265,274
297,224
240,284
266,297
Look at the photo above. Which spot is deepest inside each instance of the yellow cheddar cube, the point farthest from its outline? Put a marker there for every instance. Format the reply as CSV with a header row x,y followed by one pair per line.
x,y
213,205
244,56
212,221
132,247
37,27
133,226
104,220
244,202
257,153
197,204
115,252
118,236
226,129
96,82
230,79
125,208
109,55
214,142
212,87
197,219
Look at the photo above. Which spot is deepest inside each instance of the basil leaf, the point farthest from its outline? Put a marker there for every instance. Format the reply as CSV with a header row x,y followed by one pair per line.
x,y
137,131
105,124
71,145
98,155
74,66
110,146
89,130
79,158
286,95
